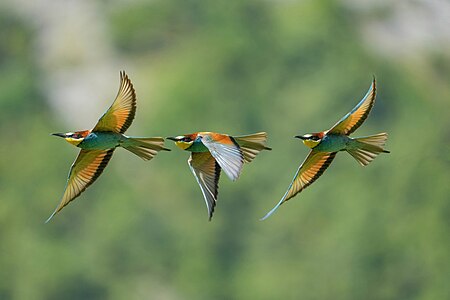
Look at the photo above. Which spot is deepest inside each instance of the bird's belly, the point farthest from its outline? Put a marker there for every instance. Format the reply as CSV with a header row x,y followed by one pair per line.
x,y
101,141
333,143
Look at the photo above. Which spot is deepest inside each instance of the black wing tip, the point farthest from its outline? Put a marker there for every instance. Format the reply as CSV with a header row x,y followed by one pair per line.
x,y
211,212
374,83
210,215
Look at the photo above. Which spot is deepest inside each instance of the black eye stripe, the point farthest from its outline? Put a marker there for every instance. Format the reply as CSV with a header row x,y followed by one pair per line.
x,y
75,136
314,138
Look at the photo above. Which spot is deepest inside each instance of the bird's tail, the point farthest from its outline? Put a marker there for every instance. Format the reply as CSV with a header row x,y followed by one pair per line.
x,y
252,144
368,147
145,148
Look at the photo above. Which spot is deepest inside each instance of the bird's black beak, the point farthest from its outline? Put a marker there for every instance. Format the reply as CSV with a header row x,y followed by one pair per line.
x,y
63,135
171,138
299,137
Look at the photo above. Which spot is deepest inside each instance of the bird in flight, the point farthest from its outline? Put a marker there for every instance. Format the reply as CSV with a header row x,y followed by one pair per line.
x,y
324,146
211,152
97,145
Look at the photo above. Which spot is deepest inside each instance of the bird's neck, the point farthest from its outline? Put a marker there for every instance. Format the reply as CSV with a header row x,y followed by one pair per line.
x,y
197,146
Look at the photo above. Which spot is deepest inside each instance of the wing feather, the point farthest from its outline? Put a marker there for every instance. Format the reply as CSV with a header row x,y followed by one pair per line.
x,y
84,171
207,173
226,152
121,113
351,121
312,168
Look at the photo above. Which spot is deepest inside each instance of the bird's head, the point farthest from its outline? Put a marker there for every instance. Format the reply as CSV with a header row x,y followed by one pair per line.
x,y
311,140
184,141
73,138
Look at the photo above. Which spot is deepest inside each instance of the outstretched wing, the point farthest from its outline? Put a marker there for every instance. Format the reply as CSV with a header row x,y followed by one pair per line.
x,y
207,172
312,167
84,171
226,152
121,113
351,121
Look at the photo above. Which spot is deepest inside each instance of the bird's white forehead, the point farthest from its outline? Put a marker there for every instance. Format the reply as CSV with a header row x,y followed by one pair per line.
x,y
179,137
307,135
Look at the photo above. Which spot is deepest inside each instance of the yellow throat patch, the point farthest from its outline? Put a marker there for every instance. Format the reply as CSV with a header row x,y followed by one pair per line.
x,y
310,143
73,141
183,145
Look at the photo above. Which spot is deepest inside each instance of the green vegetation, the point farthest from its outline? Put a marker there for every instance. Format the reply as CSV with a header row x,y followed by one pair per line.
x,y
237,67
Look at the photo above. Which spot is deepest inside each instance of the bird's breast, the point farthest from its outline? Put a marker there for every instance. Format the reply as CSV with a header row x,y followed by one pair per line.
x,y
101,140
197,146
333,143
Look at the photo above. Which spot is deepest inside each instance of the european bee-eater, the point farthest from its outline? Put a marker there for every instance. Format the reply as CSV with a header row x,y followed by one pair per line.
x,y
97,145
324,146
211,152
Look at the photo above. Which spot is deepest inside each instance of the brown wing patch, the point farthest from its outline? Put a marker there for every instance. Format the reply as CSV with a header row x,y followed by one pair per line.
x,y
121,113
312,168
207,173
219,138
350,122
84,171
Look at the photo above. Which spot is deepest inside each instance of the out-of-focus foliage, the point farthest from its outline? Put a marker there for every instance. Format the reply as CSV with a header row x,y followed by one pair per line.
x,y
285,67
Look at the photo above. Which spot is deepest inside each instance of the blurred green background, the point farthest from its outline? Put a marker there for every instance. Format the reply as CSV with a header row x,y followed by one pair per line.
x,y
286,67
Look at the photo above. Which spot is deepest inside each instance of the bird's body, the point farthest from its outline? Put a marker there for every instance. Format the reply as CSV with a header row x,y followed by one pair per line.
x,y
97,140
105,140
102,140
325,144
211,152
97,145
334,143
